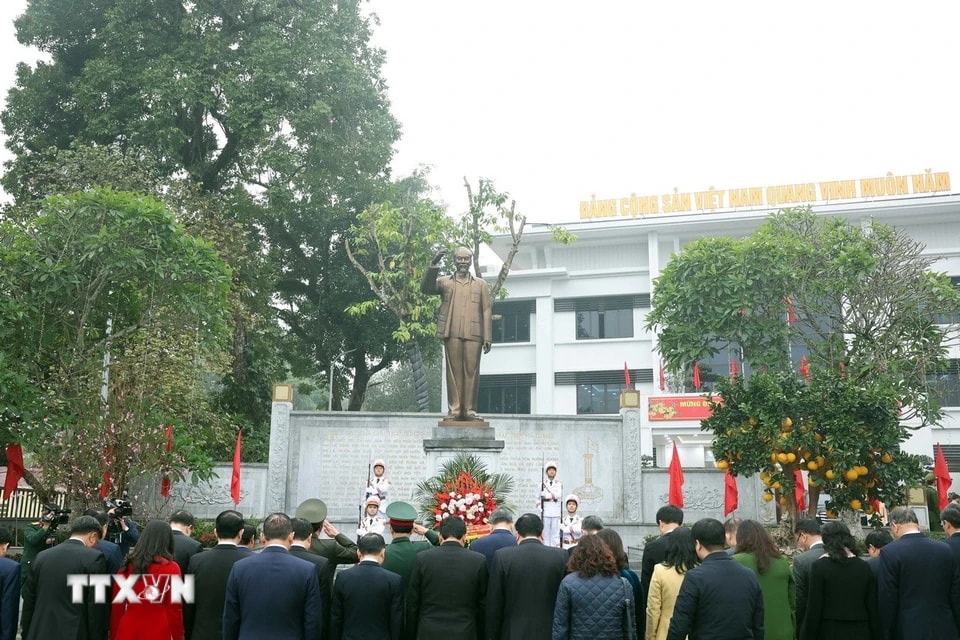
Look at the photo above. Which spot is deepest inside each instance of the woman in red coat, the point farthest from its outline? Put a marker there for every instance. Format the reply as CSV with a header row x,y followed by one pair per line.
x,y
155,616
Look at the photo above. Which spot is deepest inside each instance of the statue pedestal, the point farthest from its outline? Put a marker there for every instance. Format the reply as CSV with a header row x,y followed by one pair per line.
x,y
471,436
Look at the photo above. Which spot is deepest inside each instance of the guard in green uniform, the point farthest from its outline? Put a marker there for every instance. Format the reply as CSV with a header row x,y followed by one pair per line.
x,y
401,553
338,548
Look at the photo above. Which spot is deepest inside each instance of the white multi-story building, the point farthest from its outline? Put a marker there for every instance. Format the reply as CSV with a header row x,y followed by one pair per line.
x,y
575,314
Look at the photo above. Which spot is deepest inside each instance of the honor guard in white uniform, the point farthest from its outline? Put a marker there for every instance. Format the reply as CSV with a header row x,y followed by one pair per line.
x,y
571,524
551,491
378,486
372,521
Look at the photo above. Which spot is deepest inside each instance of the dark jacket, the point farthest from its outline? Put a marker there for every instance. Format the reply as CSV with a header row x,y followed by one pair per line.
x,y
490,544
183,548
918,590
447,593
654,552
367,604
401,555
523,591
801,575
203,619
111,552
590,608
9,598
325,571
272,595
718,600
842,601
47,608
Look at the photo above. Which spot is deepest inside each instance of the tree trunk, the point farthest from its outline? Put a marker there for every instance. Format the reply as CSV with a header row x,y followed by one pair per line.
x,y
419,375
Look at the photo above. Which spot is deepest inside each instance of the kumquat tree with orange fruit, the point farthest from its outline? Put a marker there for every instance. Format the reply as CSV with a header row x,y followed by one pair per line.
x,y
844,436
835,332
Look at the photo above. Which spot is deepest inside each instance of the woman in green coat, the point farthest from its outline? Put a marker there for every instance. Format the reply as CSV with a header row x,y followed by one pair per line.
x,y
757,551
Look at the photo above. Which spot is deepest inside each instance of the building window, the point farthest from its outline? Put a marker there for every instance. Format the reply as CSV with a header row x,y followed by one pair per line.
x,y
599,398
513,325
610,323
945,384
506,393
951,318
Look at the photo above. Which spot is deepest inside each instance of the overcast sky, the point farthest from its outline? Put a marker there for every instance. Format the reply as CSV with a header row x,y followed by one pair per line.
x,y
559,101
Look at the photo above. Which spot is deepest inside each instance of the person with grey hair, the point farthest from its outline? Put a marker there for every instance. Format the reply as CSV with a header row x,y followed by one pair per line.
x,y
591,525
499,538
918,589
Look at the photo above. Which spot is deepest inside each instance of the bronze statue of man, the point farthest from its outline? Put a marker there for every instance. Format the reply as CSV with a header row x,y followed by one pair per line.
x,y
465,324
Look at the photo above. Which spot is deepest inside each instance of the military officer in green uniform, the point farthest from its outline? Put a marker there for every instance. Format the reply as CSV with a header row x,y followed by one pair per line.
x,y
337,548
401,553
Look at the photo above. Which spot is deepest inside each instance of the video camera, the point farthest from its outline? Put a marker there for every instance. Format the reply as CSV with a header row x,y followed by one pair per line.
x,y
56,516
117,509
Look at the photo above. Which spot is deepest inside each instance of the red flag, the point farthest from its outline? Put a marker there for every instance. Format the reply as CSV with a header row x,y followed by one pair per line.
x,y
676,480
799,491
943,477
733,369
804,368
14,469
626,375
731,494
696,375
107,477
235,478
875,504
663,378
791,316
165,483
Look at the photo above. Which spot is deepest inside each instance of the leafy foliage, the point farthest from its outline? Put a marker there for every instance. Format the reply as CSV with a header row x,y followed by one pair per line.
x,y
846,434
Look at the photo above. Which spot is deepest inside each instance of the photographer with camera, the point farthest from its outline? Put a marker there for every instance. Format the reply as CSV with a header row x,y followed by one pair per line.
x,y
41,535
121,529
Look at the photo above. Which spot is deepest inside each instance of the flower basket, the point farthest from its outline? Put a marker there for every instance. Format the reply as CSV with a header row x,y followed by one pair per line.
x,y
463,488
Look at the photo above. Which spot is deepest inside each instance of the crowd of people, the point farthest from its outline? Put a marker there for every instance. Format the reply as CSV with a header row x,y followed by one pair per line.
x,y
712,580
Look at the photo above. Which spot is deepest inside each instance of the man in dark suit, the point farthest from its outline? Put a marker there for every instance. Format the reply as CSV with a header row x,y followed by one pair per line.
x,y
950,518
9,589
248,539
501,536
918,590
447,588
48,607
367,600
807,531
719,599
203,619
523,585
272,594
183,545
302,537
654,552
111,551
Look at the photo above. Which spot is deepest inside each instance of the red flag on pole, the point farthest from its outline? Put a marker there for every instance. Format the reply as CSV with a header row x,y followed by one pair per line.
x,y
14,469
165,483
696,375
731,494
676,480
663,378
799,491
804,368
626,375
791,316
944,480
235,478
733,369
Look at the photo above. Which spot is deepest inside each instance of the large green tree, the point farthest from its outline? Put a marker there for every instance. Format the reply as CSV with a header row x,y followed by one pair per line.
x,y
276,109
862,301
104,281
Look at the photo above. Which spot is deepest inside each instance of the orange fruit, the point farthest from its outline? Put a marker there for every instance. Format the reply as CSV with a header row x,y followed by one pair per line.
x,y
829,474
887,458
786,424
791,457
855,504
767,497
851,474
722,464
775,485
812,466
